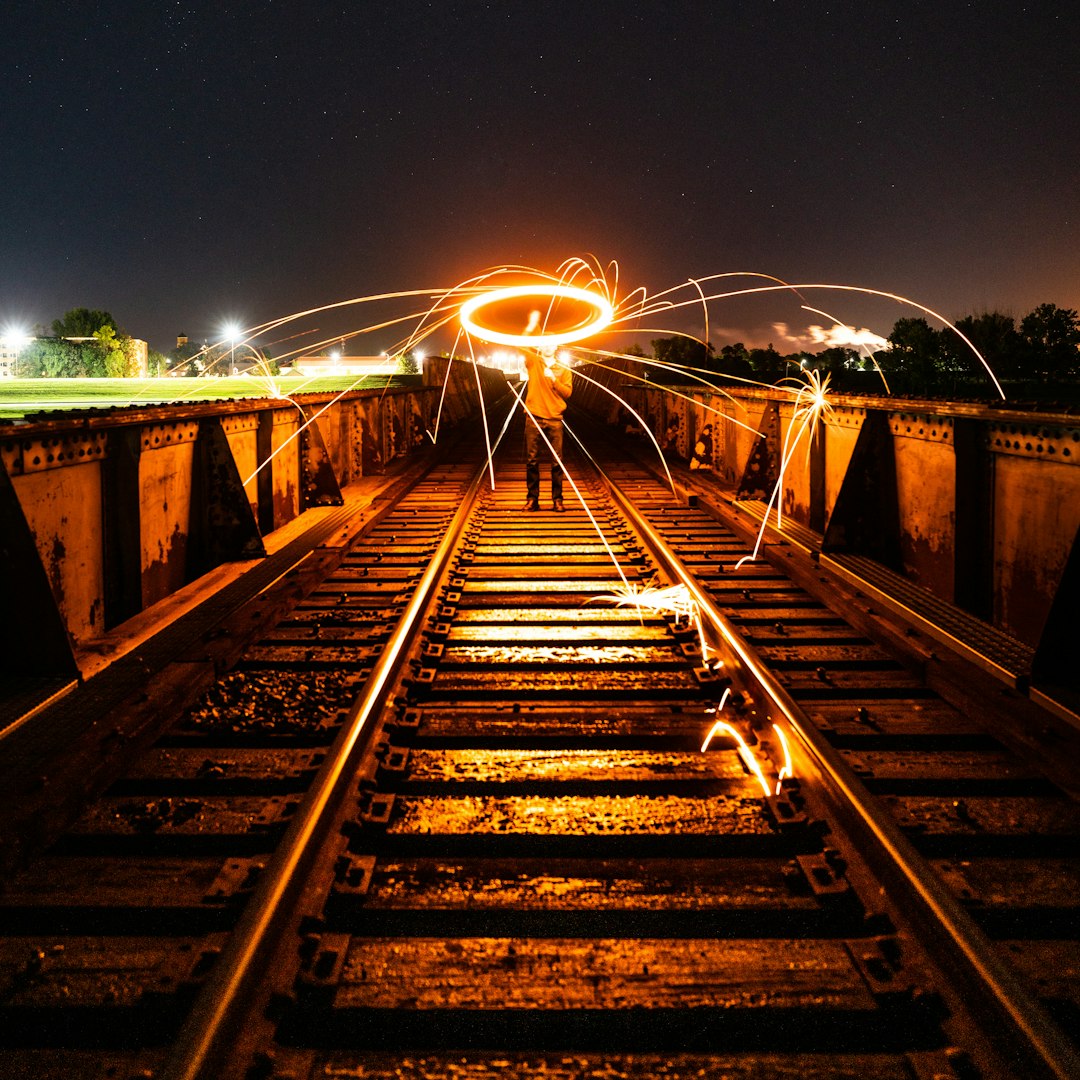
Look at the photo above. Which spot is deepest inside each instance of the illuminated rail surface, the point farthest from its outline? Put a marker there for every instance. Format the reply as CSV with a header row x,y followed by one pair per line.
x,y
510,858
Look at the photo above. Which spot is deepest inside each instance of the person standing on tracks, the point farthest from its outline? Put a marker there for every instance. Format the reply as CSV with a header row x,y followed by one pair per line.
x,y
548,388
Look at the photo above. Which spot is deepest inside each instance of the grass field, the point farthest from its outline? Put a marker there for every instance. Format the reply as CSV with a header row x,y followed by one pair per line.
x,y
21,397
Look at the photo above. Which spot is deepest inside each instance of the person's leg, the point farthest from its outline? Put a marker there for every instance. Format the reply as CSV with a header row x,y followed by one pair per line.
x,y
554,431
533,443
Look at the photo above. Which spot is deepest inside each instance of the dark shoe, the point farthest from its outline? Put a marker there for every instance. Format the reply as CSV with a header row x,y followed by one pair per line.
x,y
531,505
557,506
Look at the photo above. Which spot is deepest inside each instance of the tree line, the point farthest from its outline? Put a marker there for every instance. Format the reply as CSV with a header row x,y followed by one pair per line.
x,y
84,343
1037,357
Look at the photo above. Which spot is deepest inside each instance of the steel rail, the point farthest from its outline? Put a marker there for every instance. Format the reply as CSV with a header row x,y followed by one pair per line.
x,y
220,1006
934,908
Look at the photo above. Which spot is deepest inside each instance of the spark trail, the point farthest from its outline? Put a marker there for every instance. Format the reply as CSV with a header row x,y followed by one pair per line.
x,y
581,307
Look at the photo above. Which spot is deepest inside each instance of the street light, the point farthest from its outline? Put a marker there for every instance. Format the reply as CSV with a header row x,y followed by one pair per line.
x,y
14,339
232,331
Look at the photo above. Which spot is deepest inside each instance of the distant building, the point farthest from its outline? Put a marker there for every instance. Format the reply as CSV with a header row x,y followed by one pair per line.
x,y
10,348
9,356
141,353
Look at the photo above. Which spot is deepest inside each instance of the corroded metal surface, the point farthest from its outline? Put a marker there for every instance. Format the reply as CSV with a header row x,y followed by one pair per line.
x,y
994,824
535,852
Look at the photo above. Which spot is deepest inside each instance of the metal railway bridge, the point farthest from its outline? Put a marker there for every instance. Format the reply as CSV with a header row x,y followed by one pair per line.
x,y
321,759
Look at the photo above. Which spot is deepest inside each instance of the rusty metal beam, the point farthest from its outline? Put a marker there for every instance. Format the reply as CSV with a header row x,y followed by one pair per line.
x,y
866,517
1055,660
264,480
122,542
974,538
33,638
372,438
817,480
223,527
318,483
762,470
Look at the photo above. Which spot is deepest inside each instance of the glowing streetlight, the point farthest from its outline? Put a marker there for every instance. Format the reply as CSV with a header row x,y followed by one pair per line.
x,y
231,332
14,339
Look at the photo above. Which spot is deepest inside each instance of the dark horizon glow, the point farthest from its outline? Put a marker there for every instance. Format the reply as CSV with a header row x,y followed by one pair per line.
x,y
199,164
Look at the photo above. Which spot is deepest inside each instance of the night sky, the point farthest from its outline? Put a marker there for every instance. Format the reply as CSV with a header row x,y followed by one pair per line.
x,y
181,164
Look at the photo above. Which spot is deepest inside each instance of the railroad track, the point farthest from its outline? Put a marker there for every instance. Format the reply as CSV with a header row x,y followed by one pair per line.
x,y
450,817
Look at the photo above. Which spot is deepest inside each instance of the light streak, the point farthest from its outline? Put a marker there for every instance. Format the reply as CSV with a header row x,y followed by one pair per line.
x,y
673,599
601,292
694,374
811,406
483,416
785,769
578,280
637,416
745,753
603,315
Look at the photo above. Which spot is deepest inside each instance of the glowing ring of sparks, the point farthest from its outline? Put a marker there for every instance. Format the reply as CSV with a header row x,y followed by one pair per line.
x,y
604,313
